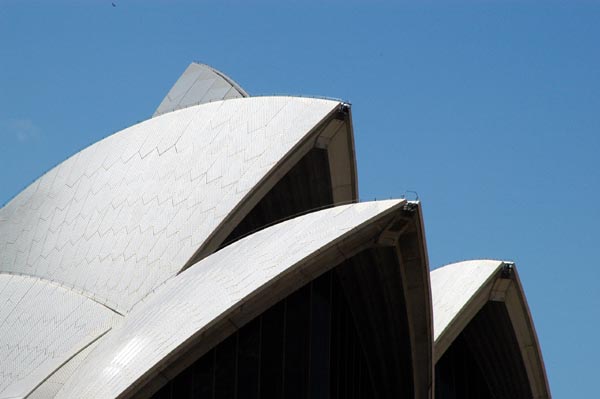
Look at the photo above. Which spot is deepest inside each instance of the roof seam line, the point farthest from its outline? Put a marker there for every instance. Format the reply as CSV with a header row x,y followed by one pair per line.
x,y
74,290
60,366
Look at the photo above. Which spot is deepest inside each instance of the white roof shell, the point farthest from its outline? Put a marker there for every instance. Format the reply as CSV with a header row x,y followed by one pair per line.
x,y
189,304
55,381
123,215
199,84
452,287
42,326
460,290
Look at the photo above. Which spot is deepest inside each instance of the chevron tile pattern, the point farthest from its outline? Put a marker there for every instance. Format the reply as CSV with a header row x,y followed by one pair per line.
x,y
120,217
42,324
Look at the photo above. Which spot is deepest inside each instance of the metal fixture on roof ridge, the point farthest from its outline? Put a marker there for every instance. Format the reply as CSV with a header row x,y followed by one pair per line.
x,y
416,195
410,206
507,270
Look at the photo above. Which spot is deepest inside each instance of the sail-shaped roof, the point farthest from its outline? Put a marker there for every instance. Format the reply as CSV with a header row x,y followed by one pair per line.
x,y
121,216
483,302
126,263
199,84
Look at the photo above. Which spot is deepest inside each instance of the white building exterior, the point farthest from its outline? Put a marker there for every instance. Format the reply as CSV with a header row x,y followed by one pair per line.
x,y
125,266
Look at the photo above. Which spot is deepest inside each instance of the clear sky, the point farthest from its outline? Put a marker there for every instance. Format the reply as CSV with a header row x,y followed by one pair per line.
x,y
490,110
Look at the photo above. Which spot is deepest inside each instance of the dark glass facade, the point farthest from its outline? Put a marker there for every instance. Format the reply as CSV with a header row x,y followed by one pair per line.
x,y
305,346
484,361
306,187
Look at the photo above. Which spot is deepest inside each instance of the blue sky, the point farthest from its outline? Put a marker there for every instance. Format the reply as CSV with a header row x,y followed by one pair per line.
x,y
490,110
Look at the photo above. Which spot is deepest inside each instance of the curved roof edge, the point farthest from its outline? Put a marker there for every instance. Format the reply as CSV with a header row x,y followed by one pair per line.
x,y
333,133
198,84
229,80
194,311
460,290
176,177
414,259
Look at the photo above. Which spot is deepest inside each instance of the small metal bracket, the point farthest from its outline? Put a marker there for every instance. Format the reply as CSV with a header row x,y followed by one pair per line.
x,y
414,194
343,111
508,269
410,207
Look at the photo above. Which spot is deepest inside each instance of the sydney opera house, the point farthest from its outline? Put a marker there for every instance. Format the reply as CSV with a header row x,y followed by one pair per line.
x,y
219,250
